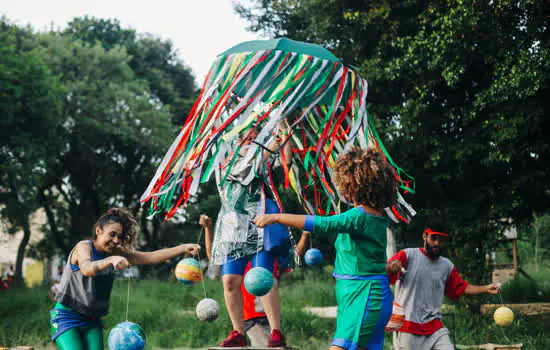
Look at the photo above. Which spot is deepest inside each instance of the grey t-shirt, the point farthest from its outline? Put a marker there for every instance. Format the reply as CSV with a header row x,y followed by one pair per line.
x,y
420,291
86,295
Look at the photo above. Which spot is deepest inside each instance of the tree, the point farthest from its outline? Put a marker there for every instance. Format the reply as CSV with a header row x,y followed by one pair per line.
x,y
157,65
115,129
458,90
152,59
540,229
29,128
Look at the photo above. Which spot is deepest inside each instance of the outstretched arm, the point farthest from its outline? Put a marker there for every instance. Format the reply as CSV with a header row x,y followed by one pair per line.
x,y
456,286
161,255
290,220
492,288
325,225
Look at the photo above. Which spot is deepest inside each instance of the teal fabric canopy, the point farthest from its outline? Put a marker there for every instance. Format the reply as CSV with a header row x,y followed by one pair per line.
x,y
283,44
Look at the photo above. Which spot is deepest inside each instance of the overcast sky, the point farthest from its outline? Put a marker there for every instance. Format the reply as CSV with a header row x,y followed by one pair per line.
x,y
199,29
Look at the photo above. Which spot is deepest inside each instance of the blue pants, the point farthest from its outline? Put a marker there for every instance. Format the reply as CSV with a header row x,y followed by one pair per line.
x,y
237,266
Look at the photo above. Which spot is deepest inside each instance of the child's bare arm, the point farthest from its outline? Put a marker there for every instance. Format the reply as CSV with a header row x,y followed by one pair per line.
x,y
161,255
290,220
324,225
302,244
206,222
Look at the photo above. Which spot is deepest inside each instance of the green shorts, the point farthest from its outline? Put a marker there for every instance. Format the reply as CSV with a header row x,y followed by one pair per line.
x,y
364,309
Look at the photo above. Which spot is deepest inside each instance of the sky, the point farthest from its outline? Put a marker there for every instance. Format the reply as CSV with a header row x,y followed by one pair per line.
x,y
199,29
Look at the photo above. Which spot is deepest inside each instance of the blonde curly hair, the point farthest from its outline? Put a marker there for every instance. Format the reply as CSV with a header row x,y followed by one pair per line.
x,y
365,177
125,219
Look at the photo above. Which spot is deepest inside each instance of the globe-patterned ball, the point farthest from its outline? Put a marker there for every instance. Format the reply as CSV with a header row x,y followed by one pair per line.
x,y
504,316
188,271
258,281
127,336
208,310
313,257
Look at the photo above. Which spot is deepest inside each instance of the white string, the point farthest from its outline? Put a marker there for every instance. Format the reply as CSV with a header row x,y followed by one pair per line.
x,y
199,260
257,252
203,285
257,234
128,300
500,295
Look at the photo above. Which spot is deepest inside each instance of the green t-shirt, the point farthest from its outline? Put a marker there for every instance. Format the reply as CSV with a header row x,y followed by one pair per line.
x,y
361,242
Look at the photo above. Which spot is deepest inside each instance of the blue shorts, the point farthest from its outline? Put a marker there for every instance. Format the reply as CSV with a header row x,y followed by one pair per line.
x,y
237,266
364,309
63,319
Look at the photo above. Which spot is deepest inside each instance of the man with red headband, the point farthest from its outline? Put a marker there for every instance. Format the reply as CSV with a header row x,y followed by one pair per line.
x,y
422,278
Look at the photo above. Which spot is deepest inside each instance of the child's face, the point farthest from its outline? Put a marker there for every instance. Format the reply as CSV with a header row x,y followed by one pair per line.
x,y
109,237
249,136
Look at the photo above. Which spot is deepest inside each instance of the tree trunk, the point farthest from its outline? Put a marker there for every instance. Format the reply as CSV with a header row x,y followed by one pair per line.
x,y
52,223
536,225
156,229
145,230
21,253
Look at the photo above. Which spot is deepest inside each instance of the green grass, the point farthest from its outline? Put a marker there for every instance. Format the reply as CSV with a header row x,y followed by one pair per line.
x,y
526,290
166,311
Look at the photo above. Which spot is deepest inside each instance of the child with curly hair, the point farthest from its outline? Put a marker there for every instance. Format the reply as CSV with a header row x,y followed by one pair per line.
x,y
365,179
87,280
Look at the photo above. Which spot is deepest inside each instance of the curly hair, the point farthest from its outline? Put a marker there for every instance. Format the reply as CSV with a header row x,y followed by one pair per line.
x,y
123,217
365,177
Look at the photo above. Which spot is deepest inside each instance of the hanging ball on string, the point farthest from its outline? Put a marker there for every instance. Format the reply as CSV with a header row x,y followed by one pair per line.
x,y
313,257
258,281
208,310
503,316
188,271
127,336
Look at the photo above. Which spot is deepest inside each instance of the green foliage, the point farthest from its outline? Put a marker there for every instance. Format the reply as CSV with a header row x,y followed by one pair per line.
x,y
86,115
152,59
539,237
29,125
166,312
115,131
524,290
29,128
458,89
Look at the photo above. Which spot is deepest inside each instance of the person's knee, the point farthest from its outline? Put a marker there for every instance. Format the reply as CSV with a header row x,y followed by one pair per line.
x,y
232,283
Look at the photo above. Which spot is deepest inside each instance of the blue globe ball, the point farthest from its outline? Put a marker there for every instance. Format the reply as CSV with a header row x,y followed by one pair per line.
x,y
258,281
313,257
127,336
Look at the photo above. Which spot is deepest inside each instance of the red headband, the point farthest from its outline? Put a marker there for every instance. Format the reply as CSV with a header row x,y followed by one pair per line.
x,y
430,232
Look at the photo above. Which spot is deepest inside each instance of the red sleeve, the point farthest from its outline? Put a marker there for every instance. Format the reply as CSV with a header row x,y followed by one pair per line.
x,y
455,285
401,256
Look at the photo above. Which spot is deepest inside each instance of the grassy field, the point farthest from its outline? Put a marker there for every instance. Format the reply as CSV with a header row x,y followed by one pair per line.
x,y
166,311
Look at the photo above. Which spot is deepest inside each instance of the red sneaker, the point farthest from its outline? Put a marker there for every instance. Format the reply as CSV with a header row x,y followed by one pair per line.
x,y
277,339
234,340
